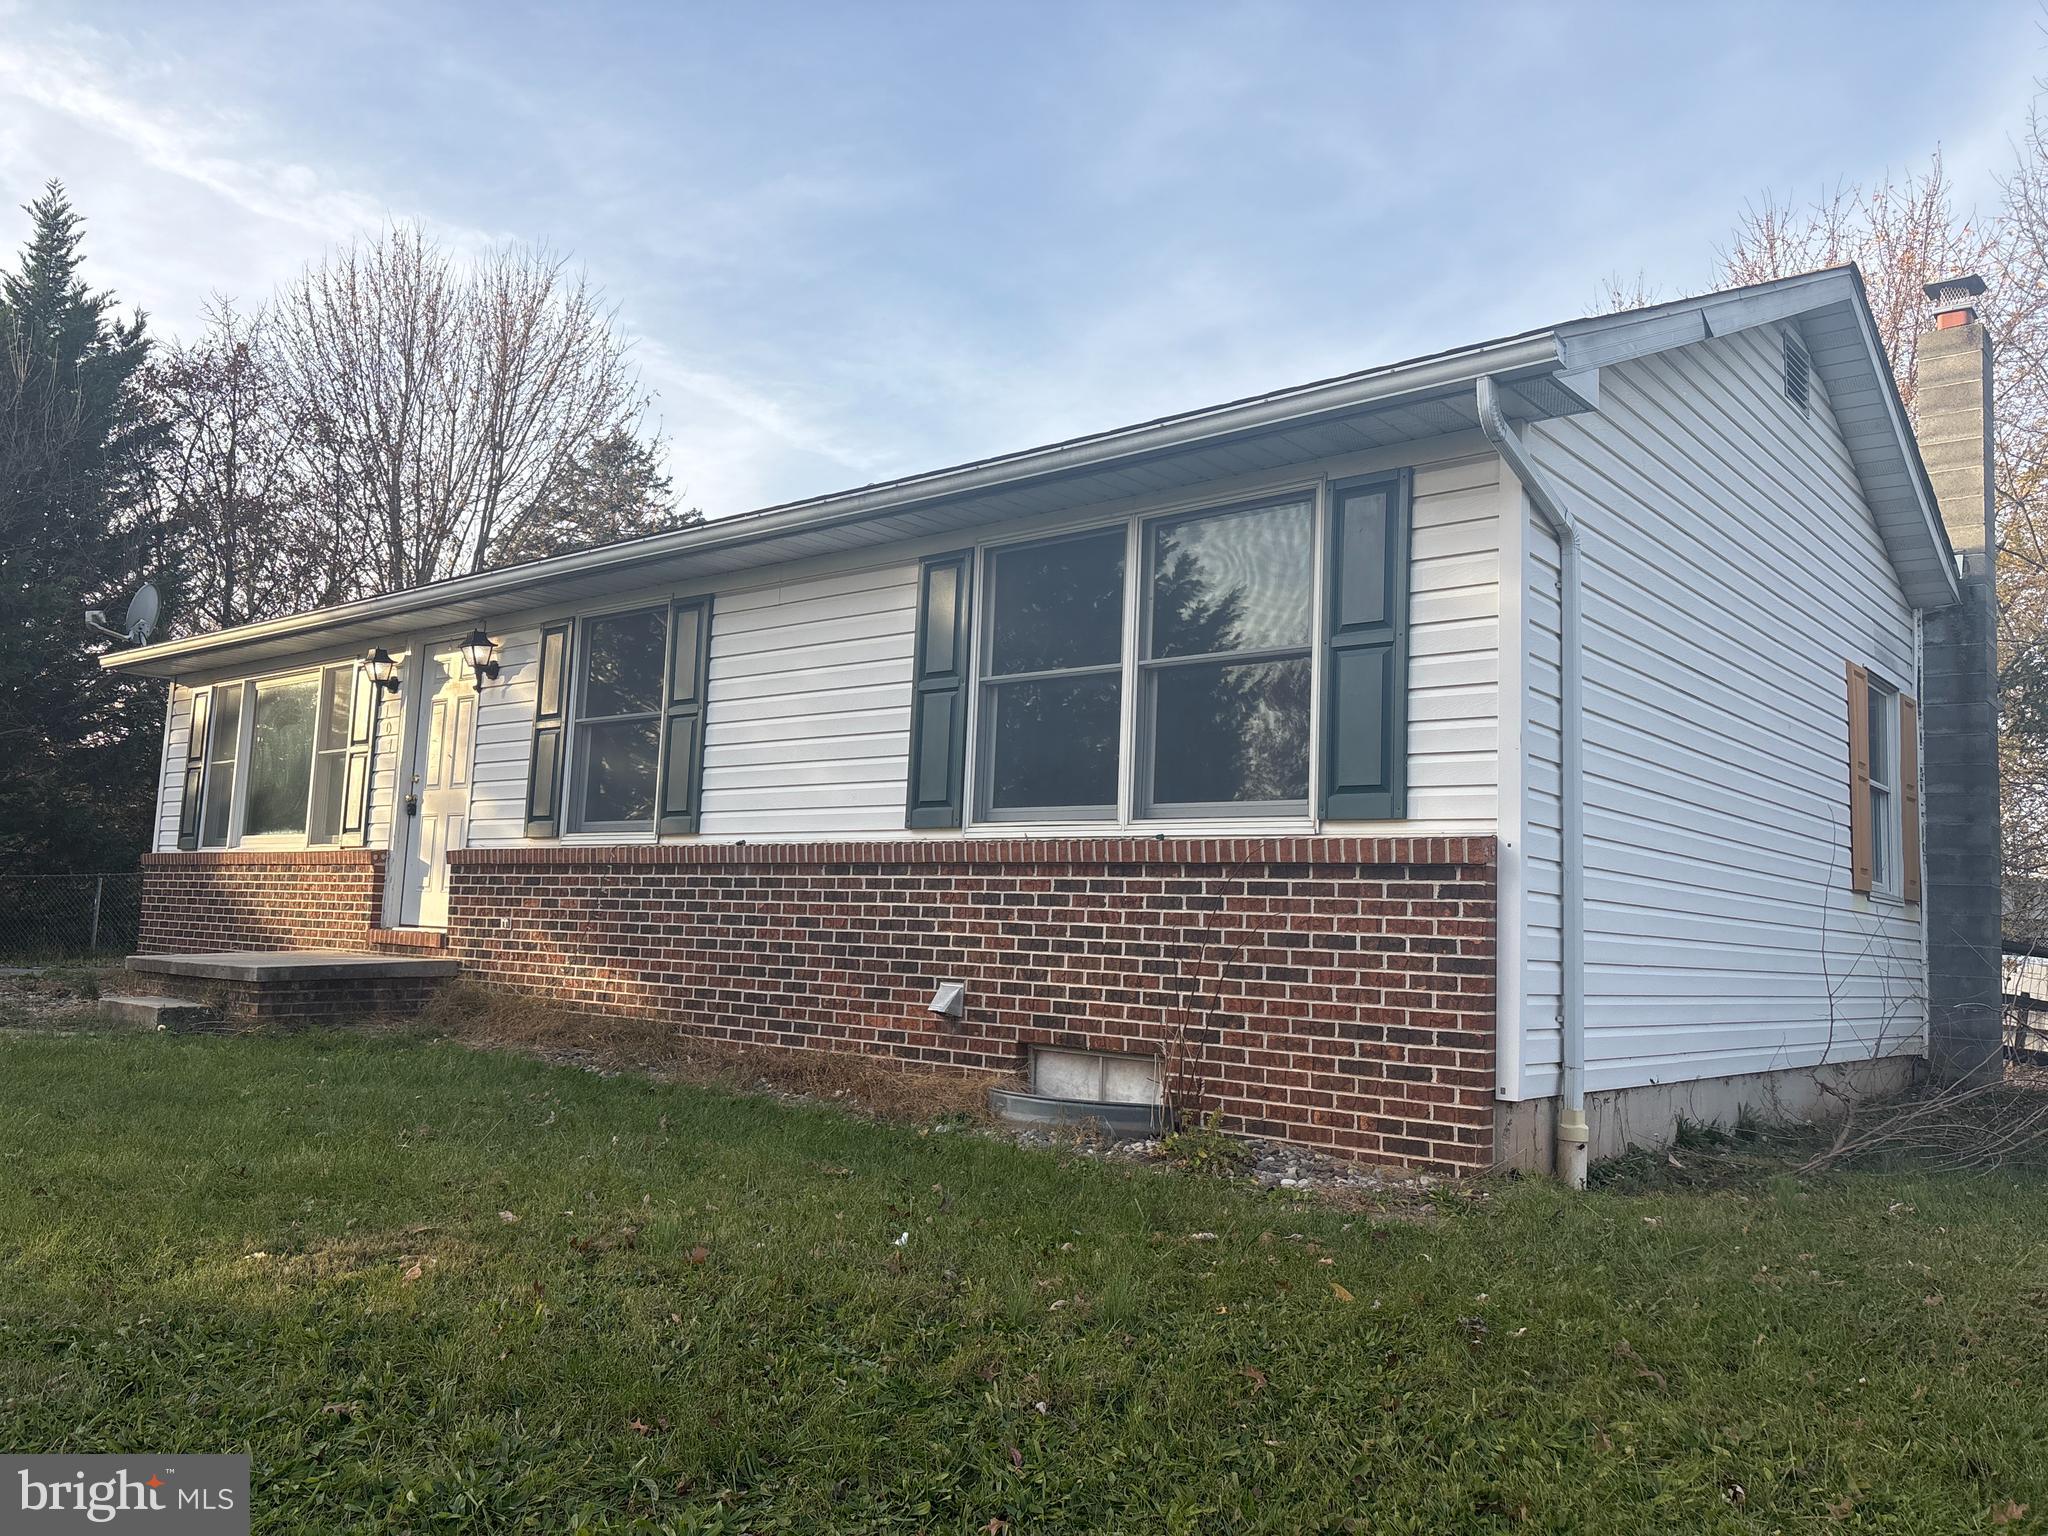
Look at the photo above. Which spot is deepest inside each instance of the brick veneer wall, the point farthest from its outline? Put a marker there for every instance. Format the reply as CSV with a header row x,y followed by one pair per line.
x,y
1352,978
321,898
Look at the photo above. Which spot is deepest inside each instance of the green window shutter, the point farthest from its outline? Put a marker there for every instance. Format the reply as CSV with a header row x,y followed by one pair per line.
x,y
362,731
681,774
1365,704
550,700
938,700
195,770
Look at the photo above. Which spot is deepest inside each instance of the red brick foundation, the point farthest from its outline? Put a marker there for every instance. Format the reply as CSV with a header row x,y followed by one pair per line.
x,y
1332,991
321,898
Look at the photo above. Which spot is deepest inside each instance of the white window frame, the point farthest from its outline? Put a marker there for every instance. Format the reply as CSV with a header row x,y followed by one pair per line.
x,y
573,764
1887,862
1130,816
245,727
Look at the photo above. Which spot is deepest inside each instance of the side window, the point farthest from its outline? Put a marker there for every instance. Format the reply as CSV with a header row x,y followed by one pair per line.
x,y
1882,706
1884,787
1052,690
223,745
618,720
331,742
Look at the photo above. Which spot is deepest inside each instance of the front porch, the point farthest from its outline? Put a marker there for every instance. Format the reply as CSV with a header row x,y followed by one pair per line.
x,y
277,986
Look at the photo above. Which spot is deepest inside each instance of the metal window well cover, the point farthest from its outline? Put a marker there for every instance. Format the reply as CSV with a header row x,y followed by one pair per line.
x,y
1123,1121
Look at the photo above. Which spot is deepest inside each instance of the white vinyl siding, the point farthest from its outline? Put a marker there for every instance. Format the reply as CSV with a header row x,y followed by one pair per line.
x,y
384,777
807,724
170,791
808,717
1731,566
504,743
1454,645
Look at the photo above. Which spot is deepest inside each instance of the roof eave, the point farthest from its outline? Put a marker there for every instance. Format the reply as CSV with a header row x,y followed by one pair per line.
x,y
1529,354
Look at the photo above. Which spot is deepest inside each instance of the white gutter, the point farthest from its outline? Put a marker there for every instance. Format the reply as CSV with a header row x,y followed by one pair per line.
x,y
1572,1136
1381,387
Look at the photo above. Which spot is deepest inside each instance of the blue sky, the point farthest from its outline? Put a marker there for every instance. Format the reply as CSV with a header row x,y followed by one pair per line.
x,y
853,241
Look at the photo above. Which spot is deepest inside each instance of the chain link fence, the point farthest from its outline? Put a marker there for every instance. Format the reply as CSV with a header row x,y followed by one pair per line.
x,y
58,917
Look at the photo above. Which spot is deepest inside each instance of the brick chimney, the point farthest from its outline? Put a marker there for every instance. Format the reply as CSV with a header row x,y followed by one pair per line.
x,y
1959,704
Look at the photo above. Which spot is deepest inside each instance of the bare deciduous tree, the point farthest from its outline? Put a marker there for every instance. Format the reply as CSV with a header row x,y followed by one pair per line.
x,y
230,475
1904,232
444,400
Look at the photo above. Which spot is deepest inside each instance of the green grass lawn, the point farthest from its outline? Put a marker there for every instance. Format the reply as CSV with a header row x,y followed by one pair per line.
x,y
705,1317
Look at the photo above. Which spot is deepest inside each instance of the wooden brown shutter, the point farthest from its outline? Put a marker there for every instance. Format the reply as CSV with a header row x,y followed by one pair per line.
x,y
1859,777
544,768
681,774
362,731
195,770
1909,798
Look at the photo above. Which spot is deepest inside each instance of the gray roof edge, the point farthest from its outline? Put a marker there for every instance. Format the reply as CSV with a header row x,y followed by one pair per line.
x,y
1574,346
1530,352
1602,340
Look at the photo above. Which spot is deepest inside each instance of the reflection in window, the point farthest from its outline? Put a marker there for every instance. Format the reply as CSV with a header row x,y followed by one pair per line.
x,y
1226,671
618,715
338,686
280,757
223,743
1052,694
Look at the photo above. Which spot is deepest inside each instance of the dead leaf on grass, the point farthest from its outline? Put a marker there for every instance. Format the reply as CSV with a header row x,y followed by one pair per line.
x,y
2008,1513
1256,1376
1644,1372
1340,1293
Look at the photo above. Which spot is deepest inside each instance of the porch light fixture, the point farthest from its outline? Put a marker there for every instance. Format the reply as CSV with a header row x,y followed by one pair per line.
x,y
481,651
382,669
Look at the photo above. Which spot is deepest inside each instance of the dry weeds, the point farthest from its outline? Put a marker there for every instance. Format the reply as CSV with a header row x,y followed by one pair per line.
x,y
871,1085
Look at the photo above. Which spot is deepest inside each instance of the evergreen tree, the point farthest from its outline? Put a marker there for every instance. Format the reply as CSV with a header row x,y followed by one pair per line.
x,y
614,489
79,745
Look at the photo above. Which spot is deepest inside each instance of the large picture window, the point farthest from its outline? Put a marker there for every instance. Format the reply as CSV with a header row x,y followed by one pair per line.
x,y
277,755
618,720
1218,669
281,757
1052,690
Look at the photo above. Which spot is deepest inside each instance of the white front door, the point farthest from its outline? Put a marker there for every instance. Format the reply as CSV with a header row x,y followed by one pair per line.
x,y
435,803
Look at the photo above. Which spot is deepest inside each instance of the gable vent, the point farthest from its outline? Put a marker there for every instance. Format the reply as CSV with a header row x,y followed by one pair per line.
x,y
1798,372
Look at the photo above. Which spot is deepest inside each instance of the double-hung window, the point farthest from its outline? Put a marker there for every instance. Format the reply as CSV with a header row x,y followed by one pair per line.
x,y
1884,818
1884,788
1226,668
618,720
1053,688
1215,673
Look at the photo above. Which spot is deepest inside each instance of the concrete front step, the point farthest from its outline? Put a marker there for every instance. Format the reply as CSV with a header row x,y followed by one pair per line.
x,y
175,1014
264,986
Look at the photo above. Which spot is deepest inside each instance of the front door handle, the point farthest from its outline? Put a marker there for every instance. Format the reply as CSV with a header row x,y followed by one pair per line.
x,y
412,805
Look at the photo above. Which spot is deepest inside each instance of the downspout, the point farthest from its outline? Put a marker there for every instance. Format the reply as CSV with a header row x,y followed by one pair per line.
x,y
1572,1137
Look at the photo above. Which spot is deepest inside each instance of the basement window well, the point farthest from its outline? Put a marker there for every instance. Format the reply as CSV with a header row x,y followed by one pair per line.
x,y
1117,1096
1095,1077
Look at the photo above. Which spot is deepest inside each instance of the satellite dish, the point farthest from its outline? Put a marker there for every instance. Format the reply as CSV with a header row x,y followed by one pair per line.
x,y
143,609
